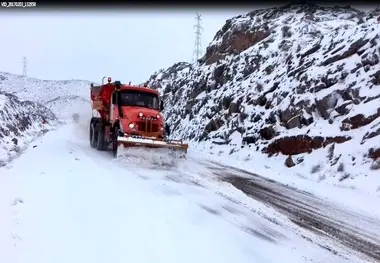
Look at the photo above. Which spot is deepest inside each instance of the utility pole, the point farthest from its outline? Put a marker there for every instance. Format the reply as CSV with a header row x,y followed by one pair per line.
x,y
198,33
25,64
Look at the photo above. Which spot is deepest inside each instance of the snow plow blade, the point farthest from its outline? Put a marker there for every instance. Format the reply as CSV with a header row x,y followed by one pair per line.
x,y
152,142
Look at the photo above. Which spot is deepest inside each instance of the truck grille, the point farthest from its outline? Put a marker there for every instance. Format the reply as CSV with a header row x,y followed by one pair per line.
x,y
147,126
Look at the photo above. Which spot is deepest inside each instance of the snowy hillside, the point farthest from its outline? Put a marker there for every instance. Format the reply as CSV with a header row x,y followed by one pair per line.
x,y
62,97
25,102
20,123
294,86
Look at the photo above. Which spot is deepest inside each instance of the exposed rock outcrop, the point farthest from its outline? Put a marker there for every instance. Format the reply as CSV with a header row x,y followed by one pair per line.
x,y
289,80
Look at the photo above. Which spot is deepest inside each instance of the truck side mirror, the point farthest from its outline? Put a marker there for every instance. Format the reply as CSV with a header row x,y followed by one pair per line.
x,y
161,106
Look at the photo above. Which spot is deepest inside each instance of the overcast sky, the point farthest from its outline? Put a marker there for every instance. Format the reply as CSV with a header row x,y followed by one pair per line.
x,y
128,46
124,45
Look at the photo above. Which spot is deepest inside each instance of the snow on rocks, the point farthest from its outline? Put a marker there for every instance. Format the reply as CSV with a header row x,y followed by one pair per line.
x,y
64,97
20,123
26,102
297,84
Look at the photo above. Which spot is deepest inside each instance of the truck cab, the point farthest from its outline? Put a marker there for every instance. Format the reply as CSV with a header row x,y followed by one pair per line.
x,y
130,116
136,110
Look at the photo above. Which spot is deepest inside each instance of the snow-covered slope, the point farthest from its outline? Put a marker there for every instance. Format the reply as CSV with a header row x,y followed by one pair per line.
x,y
26,102
294,86
63,97
20,123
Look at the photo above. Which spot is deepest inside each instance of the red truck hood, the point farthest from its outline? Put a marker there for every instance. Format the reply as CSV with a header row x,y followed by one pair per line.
x,y
133,112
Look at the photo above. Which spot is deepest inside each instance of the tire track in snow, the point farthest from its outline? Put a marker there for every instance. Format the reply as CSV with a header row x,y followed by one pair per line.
x,y
355,231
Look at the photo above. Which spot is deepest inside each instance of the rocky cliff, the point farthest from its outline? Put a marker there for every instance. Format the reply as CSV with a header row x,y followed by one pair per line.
x,y
288,83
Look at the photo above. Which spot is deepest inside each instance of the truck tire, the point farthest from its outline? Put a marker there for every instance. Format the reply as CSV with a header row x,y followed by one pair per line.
x,y
101,144
114,141
94,135
91,136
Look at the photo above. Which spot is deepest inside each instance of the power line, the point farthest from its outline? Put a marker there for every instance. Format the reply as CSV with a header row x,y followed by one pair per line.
x,y
25,64
198,34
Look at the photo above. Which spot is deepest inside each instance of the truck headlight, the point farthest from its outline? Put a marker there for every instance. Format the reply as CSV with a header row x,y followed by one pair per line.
x,y
141,114
131,125
158,116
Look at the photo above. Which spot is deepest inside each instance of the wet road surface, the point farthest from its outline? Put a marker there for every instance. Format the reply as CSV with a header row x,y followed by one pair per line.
x,y
358,232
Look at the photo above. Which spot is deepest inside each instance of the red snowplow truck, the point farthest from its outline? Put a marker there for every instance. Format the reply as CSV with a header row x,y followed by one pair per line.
x,y
129,116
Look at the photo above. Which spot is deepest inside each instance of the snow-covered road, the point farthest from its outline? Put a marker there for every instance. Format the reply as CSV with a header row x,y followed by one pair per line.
x,y
62,201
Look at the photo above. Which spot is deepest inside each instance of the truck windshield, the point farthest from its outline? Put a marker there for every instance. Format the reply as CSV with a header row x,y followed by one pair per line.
x,y
141,99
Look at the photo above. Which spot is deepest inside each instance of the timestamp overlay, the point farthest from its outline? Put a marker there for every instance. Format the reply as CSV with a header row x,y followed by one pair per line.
x,y
17,4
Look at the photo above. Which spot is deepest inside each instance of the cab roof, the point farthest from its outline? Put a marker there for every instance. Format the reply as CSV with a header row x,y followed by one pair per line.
x,y
138,89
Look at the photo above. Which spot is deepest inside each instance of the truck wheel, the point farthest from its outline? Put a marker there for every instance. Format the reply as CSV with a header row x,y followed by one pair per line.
x,y
93,136
114,141
100,146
